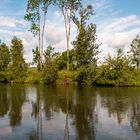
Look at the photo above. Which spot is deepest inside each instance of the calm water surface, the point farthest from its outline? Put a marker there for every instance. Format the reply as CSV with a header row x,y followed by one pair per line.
x,y
39,112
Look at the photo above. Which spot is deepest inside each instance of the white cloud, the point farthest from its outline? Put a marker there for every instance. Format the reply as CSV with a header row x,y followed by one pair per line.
x,y
113,30
10,22
9,27
119,32
101,5
55,32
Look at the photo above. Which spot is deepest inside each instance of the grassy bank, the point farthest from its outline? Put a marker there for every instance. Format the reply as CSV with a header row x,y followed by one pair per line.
x,y
35,77
83,76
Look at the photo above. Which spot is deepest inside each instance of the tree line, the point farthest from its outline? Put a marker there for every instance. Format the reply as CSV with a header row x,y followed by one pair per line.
x,y
80,64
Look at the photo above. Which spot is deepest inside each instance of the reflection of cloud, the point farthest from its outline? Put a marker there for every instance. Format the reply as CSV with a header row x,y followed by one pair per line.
x,y
108,127
5,131
56,123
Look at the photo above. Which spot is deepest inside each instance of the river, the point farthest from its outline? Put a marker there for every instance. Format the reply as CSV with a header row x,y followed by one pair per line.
x,y
40,112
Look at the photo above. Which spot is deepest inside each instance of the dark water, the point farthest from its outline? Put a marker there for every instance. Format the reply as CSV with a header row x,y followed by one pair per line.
x,y
38,112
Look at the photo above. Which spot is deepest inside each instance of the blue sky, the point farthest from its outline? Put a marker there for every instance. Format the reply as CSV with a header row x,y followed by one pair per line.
x,y
118,22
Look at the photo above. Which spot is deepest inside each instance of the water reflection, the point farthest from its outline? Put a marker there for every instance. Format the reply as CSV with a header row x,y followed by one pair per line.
x,y
36,113
135,115
17,97
85,115
4,103
116,102
66,133
39,112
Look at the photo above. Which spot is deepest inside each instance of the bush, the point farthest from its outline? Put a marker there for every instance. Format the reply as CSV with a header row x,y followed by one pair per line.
x,y
50,72
64,74
34,76
86,75
2,77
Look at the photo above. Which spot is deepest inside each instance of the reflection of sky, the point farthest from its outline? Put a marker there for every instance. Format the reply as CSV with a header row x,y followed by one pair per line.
x,y
50,129
107,127
31,93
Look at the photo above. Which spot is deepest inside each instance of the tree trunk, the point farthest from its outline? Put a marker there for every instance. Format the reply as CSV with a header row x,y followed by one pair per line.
x,y
39,38
67,28
66,133
43,31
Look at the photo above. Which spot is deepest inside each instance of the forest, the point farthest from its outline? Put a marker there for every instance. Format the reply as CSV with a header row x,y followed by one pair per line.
x,y
79,65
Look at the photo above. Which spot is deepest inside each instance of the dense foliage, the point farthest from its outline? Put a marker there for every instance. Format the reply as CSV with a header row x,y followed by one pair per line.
x,y
115,71
18,66
85,47
4,61
4,56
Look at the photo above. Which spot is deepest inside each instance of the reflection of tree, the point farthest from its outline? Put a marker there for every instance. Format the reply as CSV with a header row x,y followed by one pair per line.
x,y
17,99
33,136
122,101
50,100
115,101
85,115
47,101
74,103
135,119
4,103
66,134
37,114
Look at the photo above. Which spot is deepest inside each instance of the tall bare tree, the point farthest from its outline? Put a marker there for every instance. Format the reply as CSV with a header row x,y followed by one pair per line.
x,y
68,9
33,15
45,6
34,12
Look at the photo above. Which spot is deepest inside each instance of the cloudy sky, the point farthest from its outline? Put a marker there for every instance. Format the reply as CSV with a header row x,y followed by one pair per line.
x,y
118,22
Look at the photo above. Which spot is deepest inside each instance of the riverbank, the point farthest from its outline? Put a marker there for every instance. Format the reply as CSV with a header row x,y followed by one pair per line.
x,y
79,77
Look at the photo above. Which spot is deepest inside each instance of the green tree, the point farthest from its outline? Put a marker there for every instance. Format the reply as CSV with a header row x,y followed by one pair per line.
x,y
18,67
68,9
115,71
50,70
36,57
4,61
134,53
4,57
61,60
49,54
86,74
86,49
